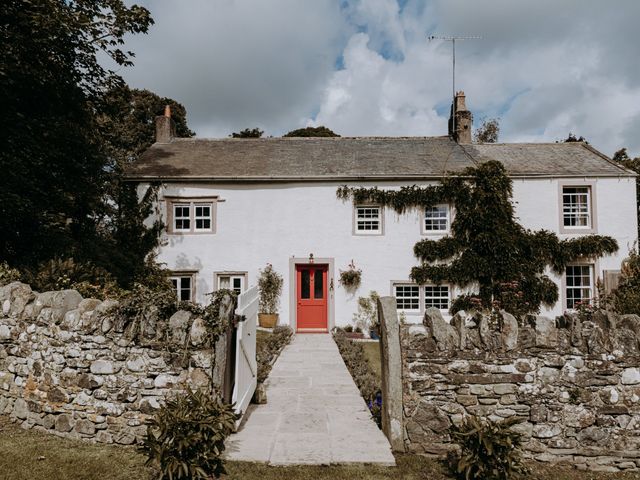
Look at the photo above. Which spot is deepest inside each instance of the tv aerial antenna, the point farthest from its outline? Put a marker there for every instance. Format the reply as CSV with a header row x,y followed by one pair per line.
x,y
453,39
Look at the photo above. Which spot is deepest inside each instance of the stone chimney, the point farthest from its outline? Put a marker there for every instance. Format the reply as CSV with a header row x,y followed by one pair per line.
x,y
464,119
165,127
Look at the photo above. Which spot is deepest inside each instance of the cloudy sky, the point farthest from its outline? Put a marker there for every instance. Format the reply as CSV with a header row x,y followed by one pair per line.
x,y
365,67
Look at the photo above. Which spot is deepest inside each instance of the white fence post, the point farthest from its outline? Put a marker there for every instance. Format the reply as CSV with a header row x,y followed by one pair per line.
x,y
246,368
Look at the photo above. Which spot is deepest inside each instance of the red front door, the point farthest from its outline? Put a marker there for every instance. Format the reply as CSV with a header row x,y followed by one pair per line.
x,y
311,293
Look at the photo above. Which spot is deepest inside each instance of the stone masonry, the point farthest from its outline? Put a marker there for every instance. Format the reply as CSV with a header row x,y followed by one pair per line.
x,y
573,383
68,368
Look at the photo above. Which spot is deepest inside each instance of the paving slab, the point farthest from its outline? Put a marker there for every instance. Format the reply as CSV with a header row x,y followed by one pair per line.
x,y
314,413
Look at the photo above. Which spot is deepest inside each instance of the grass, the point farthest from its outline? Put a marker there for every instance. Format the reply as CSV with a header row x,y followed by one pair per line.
x,y
31,455
372,354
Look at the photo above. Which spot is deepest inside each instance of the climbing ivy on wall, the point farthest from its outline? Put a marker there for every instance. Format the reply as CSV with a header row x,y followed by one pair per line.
x,y
487,248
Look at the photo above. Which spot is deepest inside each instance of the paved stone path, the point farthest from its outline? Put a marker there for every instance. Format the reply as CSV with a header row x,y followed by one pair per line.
x,y
314,414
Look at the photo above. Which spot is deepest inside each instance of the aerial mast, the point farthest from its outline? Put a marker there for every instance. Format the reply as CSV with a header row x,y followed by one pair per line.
x,y
453,39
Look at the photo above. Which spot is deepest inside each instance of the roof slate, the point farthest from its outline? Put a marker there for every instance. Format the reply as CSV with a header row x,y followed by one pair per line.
x,y
359,158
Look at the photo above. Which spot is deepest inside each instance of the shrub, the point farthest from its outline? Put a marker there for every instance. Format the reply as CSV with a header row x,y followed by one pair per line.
x,y
141,302
366,317
270,285
626,298
489,450
8,274
362,373
185,438
269,347
62,274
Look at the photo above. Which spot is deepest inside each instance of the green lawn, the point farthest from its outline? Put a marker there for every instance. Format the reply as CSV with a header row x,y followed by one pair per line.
x,y
372,353
31,455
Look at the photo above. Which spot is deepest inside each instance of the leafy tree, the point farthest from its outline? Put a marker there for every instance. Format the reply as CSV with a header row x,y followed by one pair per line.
x,y
320,131
574,138
487,132
52,189
126,124
248,133
487,246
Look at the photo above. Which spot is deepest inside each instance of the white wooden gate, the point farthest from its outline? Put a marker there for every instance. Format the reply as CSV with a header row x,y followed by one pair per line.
x,y
246,366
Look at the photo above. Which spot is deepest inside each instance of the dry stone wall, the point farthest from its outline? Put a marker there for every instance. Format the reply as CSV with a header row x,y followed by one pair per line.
x,y
574,385
68,367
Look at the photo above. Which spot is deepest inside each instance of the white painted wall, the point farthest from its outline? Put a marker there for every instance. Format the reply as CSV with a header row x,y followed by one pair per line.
x,y
260,223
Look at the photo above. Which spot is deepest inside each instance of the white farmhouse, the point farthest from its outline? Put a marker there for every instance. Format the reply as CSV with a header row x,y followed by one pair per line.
x,y
233,205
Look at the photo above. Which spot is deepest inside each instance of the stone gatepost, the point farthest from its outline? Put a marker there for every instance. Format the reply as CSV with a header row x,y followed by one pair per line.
x,y
391,357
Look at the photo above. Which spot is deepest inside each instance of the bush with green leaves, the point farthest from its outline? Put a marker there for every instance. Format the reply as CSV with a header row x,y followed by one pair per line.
x,y
185,438
8,274
626,298
270,285
489,450
487,248
268,348
366,318
67,273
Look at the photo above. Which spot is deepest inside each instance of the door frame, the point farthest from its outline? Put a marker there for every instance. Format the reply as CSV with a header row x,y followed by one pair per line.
x,y
331,286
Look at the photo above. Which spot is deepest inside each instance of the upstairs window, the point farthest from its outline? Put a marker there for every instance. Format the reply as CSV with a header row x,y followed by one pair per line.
x,y
181,217
191,215
576,207
235,281
184,286
368,220
436,219
579,285
436,296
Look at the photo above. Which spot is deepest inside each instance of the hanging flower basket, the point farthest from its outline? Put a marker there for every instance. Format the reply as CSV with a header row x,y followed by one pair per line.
x,y
350,279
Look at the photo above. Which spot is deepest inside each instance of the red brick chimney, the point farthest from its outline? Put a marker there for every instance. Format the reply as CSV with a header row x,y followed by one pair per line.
x,y
165,127
463,117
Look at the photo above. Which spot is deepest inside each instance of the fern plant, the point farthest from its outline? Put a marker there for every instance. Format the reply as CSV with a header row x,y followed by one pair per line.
x,y
489,450
185,439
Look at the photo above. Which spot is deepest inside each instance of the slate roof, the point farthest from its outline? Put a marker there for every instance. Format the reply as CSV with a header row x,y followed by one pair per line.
x,y
358,158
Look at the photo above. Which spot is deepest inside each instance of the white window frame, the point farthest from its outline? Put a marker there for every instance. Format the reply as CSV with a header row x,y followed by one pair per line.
x,y
357,220
242,276
436,298
191,203
590,288
447,218
178,277
394,289
176,218
197,217
591,226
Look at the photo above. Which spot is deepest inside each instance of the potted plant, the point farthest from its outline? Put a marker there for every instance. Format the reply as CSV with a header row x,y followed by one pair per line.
x,y
366,318
350,278
270,285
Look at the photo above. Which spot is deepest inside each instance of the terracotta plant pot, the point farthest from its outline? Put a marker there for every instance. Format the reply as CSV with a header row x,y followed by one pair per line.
x,y
267,320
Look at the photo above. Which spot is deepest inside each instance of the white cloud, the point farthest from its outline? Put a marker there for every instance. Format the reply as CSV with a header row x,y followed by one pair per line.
x,y
545,67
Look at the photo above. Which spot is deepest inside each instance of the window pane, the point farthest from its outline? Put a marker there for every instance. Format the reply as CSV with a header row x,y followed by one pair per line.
x,y
237,285
575,206
368,219
408,297
318,286
579,284
305,282
436,296
203,217
436,218
181,217
223,282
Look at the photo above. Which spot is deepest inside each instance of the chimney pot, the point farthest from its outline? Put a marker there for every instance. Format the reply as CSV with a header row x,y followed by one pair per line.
x,y
463,119
165,126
